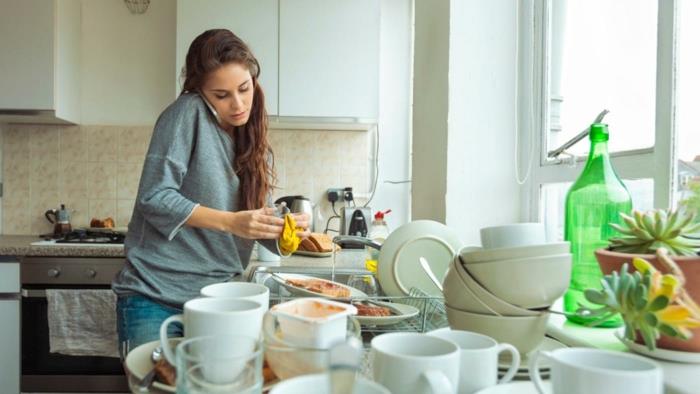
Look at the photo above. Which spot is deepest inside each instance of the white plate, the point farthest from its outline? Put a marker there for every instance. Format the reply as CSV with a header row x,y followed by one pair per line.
x,y
107,229
402,312
474,254
399,269
306,293
138,363
660,354
514,388
548,344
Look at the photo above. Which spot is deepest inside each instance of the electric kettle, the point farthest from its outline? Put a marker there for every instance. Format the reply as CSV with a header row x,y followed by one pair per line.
x,y
299,204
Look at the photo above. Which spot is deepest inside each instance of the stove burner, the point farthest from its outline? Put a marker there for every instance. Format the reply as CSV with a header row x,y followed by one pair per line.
x,y
92,237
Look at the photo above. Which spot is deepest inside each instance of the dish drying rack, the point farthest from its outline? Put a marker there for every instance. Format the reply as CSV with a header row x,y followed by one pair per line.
x,y
432,314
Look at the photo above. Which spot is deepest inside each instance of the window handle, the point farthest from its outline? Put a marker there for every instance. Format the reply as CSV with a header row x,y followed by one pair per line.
x,y
552,154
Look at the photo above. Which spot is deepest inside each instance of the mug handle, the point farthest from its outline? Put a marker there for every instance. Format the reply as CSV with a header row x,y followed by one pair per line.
x,y
438,382
534,371
514,363
164,344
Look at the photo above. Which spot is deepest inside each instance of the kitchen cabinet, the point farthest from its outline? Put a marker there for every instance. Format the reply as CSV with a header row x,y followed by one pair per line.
x,y
329,58
40,62
9,329
254,21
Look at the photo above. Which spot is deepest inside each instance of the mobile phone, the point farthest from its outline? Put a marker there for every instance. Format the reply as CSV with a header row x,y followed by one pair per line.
x,y
211,107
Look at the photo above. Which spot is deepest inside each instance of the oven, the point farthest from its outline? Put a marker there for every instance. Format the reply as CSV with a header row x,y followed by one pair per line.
x,y
43,371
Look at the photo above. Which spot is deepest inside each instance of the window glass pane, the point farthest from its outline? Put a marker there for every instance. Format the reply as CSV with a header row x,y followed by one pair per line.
x,y
604,57
688,118
553,198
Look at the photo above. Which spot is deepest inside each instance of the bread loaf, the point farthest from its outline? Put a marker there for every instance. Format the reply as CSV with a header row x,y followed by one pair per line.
x,y
317,242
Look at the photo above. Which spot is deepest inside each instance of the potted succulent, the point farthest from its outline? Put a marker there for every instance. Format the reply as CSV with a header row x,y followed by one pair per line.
x,y
656,308
645,233
642,234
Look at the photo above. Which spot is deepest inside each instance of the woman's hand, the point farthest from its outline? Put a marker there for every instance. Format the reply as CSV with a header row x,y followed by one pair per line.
x,y
256,224
302,220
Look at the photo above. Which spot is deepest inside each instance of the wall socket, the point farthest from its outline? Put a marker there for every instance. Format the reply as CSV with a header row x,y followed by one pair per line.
x,y
334,194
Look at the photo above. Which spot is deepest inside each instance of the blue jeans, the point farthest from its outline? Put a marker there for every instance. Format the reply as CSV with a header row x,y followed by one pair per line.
x,y
139,319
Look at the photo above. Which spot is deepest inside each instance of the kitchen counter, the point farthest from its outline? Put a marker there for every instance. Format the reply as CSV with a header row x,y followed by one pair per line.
x,y
20,245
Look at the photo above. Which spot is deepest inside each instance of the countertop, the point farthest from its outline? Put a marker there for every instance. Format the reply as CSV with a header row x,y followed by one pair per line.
x,y
20,245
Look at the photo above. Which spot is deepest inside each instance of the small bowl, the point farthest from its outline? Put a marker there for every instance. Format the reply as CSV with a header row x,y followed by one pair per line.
x,y
492,304
523,332
288,360
534,282
474,254
321,384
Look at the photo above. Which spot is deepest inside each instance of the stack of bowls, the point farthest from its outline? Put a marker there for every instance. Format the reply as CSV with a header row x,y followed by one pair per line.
x,y
504,290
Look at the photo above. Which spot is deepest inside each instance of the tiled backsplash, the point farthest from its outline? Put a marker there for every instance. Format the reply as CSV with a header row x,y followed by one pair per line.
x,y
95,170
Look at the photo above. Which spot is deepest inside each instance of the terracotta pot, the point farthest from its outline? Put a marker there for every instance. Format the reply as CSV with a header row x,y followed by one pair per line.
x,y
689,265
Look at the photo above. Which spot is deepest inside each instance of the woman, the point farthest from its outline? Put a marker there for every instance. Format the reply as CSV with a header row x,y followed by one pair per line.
x,y
206,181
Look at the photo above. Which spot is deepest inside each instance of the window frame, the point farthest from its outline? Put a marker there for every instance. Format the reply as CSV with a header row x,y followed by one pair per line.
x,y
657,162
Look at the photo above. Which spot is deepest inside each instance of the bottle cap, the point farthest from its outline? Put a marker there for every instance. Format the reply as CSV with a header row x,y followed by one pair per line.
x,y
599,132
380,215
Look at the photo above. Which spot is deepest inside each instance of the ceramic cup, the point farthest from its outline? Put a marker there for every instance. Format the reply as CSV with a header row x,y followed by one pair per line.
x,y
266,256
239,290
585,371
415,363
212,317
512,235
478,365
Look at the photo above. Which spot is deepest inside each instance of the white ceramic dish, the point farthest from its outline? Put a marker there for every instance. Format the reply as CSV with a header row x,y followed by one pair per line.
x,y
402,312
513,388
524,332
307,293
659,354
487,302
138,363
399,269
534,282
474,254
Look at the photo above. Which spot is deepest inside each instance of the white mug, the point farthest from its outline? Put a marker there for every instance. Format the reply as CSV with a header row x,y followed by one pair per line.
x,y
215,316
415,363
239,290
478,365
585,371
512,235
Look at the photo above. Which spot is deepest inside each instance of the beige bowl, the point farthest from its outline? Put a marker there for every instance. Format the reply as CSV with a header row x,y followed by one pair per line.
x,y
534,282
523,332
477,299
473,254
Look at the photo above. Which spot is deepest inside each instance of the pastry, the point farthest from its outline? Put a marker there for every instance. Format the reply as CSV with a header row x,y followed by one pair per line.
x,y
371,310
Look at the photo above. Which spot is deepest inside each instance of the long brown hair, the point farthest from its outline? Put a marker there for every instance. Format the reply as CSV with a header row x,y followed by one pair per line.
x,y
254,159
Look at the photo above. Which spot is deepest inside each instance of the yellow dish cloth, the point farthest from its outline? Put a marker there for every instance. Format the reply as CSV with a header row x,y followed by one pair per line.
x,y
289,241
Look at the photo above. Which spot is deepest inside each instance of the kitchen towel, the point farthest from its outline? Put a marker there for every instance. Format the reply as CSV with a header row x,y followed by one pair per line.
x,y
82,322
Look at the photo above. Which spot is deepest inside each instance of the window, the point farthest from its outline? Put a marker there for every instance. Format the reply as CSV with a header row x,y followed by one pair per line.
x,y
578,57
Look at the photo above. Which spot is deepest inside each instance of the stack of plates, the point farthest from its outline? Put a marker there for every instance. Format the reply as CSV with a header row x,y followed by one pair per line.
x,y
548,344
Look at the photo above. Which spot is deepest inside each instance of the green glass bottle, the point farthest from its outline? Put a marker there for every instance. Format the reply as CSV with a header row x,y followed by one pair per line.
x,y
593,202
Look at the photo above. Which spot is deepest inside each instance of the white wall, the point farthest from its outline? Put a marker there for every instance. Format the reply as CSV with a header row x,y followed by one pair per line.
x,y
474,151
127,62
394,111
430,109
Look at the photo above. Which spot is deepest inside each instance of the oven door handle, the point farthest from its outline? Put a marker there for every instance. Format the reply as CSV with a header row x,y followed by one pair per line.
x,y
33,293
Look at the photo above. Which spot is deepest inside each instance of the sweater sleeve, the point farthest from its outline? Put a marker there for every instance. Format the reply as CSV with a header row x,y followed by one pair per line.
x,y
165,168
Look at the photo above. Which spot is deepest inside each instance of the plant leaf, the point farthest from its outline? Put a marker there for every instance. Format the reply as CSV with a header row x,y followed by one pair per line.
x,y
658,304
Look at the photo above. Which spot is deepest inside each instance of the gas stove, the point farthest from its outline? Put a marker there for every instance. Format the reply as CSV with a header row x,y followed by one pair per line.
x,y
83,237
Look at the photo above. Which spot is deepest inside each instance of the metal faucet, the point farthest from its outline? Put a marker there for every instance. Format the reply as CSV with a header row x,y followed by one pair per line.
x,y
340,239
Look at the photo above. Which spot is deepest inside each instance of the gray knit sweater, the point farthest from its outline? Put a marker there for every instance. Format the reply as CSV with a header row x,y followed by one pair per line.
x,y
189,162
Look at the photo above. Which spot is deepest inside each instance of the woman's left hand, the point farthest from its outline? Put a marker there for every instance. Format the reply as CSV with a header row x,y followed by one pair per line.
x,y
302,219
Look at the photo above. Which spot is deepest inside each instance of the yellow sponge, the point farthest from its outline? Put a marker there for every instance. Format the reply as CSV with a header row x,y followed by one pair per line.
x,y
289,242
